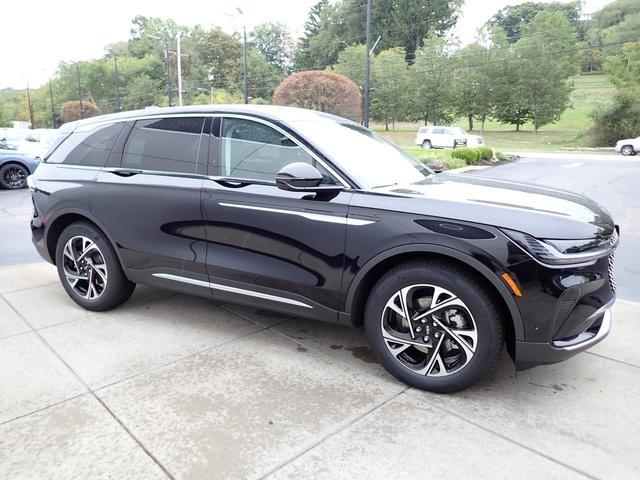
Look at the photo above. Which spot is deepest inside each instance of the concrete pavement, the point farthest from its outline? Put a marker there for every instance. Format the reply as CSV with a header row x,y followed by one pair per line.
x,y
175,386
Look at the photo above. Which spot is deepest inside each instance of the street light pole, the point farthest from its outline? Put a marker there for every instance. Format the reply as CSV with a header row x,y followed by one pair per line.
x,y
179,58
367,66
79,89
246,89
53,112
115,67
31,119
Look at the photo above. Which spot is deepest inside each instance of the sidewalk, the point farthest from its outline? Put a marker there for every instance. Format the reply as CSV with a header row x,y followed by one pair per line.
x,y
175,386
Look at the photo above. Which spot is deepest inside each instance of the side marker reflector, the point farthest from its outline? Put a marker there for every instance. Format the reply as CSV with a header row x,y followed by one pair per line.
x,y
512,284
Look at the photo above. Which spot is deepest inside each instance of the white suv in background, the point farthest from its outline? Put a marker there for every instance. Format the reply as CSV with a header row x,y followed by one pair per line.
x,y
628,146
446,137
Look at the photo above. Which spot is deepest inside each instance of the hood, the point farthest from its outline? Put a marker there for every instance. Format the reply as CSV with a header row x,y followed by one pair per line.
x,y
536,210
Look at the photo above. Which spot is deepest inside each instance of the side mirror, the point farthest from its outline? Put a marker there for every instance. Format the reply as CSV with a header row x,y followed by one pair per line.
x,y
302,177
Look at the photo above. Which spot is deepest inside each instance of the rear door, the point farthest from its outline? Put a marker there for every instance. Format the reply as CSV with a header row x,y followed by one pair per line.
x,y
439,138
269,247
149,202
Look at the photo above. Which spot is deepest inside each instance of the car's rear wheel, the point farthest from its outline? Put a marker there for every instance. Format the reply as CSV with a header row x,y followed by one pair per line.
x,y
627,150
89,268
433,326
426,144
13,176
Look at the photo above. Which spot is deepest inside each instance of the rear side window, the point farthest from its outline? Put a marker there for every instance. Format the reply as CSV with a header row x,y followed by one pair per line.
x,y
166,145
438,130
90,148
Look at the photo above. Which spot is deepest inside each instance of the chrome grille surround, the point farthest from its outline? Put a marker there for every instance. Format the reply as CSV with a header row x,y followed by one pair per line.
x,y
612,241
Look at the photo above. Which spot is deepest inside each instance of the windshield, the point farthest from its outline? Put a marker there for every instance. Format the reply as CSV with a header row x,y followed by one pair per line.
x,y
367,158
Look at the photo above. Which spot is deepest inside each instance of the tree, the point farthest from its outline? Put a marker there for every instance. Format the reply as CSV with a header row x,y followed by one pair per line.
x,y
390,86
351,63
474,83
620,119
263,76
624,68
302,58
401,23
274,42
219,54
431,85
321,90
514,18
534,77
70,111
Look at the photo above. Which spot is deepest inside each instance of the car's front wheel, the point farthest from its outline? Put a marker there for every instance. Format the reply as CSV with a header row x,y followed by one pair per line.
x,y
13,176
627,150
89,268
434,326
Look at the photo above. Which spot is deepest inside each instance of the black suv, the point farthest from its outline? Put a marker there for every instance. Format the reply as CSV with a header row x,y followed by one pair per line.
x,y
315,216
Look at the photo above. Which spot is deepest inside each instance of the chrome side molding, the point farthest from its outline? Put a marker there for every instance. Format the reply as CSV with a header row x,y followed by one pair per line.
x,y
316,217
227,288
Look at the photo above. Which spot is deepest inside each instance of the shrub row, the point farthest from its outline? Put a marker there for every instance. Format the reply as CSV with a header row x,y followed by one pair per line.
x,y
472,155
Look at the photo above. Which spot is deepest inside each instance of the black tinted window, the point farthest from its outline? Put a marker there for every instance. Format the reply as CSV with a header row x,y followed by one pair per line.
x,y
87,148
253,151
166,144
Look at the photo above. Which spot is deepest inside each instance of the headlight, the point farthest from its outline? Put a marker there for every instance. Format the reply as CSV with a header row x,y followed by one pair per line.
x,y
562,252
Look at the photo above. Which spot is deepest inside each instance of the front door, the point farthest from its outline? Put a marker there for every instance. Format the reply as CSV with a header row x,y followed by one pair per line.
x,y
265,246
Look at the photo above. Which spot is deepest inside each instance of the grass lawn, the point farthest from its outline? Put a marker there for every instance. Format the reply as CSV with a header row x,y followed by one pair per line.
x,y
568,132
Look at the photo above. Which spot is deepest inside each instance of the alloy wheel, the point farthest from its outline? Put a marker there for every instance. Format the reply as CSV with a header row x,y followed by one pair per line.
x,y
627,150
428,330
14,177
84,267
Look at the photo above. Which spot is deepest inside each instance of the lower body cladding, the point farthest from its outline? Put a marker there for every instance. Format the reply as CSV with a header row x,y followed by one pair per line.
x,y
565,311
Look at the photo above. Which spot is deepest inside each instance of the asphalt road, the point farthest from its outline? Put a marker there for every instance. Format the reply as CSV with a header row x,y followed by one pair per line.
x,y
611,180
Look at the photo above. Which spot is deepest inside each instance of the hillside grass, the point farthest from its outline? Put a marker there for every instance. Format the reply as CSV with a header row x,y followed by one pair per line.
x,y
570,131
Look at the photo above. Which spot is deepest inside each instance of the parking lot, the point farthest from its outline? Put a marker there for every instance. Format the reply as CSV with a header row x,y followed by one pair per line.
x,y
176,386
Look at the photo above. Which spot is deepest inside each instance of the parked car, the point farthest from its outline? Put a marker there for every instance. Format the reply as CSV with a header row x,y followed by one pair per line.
x,y
10,138
628,146
15,168
38,142
316,216
446,137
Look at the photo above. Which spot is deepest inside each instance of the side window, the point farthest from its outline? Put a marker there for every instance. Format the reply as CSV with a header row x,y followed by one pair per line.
x,y
438,130
86,148
165,144
254,151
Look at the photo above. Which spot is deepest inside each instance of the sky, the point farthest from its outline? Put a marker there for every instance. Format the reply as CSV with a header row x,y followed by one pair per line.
x,y
36,35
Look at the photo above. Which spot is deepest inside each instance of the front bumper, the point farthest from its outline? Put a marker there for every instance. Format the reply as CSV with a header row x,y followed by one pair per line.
x,y
530,354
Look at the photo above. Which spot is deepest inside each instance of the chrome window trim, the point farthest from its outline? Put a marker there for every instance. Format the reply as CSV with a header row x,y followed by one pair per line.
x,y
227,288
90,126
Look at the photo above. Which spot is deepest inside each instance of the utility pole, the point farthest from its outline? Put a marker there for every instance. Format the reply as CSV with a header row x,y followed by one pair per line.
x,y
79,89
53,111
166,59
367,66
30,107
115,67
178,56
246,90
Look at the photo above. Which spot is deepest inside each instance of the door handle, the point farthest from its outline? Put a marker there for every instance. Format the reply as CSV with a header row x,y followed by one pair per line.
x,y
126,172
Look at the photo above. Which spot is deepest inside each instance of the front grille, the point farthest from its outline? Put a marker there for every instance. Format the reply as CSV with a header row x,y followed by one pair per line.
x,y
613,240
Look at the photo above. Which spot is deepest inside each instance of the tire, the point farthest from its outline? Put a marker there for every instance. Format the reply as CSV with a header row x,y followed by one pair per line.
x,y
426,144
13,176
89,268
463,305
627,150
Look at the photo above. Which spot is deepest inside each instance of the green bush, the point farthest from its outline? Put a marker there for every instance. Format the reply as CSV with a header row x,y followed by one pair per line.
x,y
620,119
486,153
469,155
501,157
